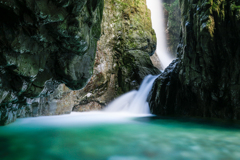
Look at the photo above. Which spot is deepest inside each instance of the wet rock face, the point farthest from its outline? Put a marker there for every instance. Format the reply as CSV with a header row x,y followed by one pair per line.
x,y
122,58
156,61
43,43
204,80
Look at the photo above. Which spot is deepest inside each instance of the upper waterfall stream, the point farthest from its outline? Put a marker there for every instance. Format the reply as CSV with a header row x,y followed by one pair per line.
x,y
158,25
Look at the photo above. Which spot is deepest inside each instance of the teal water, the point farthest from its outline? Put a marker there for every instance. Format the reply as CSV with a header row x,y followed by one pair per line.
x,y
98,136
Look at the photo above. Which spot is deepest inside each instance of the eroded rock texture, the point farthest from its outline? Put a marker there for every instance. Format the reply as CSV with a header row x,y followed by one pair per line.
x,y
204,80
44,43
122,58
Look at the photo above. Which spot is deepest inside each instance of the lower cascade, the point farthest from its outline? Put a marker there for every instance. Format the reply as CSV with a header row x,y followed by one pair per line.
x,y
134,101
191,111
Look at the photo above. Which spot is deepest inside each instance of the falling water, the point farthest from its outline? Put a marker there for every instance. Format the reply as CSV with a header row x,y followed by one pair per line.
x,y
95,135
134,101
158,25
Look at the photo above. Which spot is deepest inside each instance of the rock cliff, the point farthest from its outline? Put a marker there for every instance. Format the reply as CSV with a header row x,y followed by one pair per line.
x,y
55,42
123,54
44,43
204,80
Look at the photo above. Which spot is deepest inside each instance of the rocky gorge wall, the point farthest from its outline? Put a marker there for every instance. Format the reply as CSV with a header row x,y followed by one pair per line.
x,y
124,50
42,44
68,46
204,79
123,55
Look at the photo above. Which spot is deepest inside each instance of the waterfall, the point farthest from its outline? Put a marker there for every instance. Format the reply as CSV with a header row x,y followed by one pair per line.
x,y
134,101
158,25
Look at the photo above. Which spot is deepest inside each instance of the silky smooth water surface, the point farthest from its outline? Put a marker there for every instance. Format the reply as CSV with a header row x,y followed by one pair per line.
x,y
111,136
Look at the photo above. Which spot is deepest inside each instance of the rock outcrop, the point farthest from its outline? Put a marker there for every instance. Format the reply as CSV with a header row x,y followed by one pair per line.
x,y
204,80
65,35
44,43
123,54
156,61
122,58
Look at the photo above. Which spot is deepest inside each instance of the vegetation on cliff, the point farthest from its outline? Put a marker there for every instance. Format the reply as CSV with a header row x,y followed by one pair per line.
x,y
124,50
204,80
122,59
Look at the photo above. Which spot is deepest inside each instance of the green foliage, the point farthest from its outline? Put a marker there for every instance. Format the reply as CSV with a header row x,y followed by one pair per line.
x,y
235,10
171,7
211,25
173,13
234,7
218,6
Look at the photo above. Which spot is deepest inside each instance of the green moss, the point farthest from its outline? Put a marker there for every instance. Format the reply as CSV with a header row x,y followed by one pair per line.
x,y
218,6
234,7
129,24
211,25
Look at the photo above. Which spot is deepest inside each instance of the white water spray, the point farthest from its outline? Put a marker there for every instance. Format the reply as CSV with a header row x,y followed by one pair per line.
x,y
158,25
134,101
129,105
132,104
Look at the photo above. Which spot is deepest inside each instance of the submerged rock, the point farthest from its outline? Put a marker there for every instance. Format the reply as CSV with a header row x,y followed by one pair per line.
x,y
204,80
42,44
